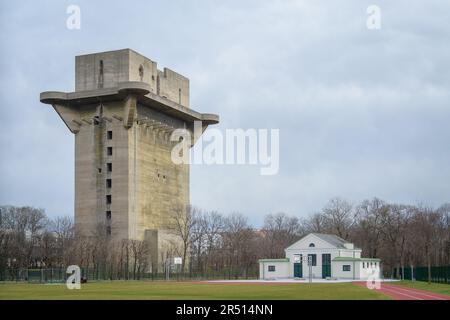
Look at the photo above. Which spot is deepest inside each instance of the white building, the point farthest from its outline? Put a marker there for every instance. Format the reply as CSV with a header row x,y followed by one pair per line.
x,y
329,256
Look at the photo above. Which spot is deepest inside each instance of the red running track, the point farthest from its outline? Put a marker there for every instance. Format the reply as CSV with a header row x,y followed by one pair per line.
x,y
404,293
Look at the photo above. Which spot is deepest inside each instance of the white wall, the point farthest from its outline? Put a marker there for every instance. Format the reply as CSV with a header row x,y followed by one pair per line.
x,y
281,270
336,269
360,272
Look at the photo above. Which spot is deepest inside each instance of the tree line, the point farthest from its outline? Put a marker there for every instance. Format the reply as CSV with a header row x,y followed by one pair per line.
x,y
228,245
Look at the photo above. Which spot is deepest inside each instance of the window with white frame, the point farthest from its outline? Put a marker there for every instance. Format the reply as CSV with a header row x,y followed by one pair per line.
x,y
271,268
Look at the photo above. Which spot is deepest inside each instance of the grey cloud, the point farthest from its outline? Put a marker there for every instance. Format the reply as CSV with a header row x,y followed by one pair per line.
x,y
361,113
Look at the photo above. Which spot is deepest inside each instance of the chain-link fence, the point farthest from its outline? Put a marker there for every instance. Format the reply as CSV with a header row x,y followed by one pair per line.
x,y
59,275
438,274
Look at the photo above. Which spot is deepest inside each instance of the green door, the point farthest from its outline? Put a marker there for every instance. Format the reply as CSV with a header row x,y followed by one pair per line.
x,y
326,265
298,269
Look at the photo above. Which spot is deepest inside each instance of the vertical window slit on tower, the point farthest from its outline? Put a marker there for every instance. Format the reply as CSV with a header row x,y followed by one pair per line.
x,y
108,199
108,183
141,72
108,215
109,151
157,85
100,75
109,167
109,135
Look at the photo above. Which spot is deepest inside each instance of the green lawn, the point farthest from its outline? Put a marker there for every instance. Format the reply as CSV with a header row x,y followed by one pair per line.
x,y
161,290
422,285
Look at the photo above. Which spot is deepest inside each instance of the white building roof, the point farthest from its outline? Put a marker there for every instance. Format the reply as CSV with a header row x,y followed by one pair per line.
x,y
332,239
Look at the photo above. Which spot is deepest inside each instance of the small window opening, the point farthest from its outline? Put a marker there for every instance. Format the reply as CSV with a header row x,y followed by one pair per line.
x,y
99,170
157,85
312,245
271,269
100,75
109,167
108,215
109,135
108,199
109,149
108,183
141,72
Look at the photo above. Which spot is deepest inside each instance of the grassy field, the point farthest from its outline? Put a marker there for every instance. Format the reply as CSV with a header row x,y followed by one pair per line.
x,y
188,291
422,285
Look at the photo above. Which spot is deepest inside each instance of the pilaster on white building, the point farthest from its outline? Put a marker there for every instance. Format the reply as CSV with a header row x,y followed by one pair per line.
x,y
323,256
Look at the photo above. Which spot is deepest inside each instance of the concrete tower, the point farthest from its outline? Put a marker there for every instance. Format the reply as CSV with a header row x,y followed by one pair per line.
x,y
122,113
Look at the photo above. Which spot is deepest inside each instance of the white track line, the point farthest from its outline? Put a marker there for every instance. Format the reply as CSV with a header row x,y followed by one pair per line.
x,y
417,292
403,294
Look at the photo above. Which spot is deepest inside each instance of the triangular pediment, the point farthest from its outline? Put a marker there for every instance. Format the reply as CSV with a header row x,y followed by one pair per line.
x,y
319,242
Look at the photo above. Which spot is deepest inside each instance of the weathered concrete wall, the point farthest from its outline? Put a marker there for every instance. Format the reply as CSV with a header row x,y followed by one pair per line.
x,y
146,186
90,75
142,69
91,170
85,181
161,185
108,69
173,86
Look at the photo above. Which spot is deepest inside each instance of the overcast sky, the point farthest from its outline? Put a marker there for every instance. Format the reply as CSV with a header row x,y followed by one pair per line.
x,y
361,113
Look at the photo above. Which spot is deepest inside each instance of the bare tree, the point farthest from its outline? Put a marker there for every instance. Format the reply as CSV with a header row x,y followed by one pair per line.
x,y
338,217
205,239
183,221
444,234
139,251
63,230
425,222
237,243
369,225
315,223
280,231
